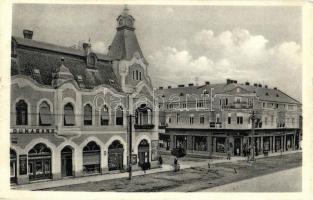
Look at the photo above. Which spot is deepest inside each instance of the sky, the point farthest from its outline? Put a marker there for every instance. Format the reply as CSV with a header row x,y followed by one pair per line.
x,y
185,44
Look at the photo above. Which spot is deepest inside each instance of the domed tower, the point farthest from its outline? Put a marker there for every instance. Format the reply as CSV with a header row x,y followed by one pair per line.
x,y
129,63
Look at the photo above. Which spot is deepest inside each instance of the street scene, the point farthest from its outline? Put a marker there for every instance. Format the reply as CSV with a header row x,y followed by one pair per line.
x,y
111,98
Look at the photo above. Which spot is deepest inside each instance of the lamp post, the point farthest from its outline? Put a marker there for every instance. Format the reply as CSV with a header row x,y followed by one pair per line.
x,y
130,118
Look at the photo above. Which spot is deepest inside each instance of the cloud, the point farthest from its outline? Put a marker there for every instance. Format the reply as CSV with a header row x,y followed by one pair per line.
x,y
236,54
99,47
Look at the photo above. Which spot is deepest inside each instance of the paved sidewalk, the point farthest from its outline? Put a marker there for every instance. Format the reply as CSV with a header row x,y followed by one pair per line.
x,y
183,165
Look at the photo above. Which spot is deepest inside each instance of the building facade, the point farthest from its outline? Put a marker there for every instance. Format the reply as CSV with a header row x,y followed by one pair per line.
x,y
70,108
211,119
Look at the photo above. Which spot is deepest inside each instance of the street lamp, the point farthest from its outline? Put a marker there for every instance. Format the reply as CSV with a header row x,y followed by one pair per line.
x,y
130,118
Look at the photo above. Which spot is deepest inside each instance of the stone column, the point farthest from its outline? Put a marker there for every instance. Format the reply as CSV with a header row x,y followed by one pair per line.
x,y
261,146
294,142
271,144
78,162
285,142
172,142
209,145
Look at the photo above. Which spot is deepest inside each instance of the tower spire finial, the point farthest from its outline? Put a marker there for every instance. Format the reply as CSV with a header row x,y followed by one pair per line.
x,y
125,10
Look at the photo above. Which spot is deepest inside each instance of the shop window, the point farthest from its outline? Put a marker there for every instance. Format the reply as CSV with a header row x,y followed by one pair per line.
x,y
87,114
220,144
119,116
39,162
21,113
104,117
69,117
45,116
91,158
200,143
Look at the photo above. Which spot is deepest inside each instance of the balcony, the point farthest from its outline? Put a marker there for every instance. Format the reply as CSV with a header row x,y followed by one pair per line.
x,y
144,126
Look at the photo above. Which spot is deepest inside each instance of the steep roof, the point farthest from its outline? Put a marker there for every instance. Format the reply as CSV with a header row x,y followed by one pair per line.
x,y
264,94
124,45
46,58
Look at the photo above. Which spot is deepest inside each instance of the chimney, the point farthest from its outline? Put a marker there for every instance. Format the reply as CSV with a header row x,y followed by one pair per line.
x,y
275,88
169,87
207,82
28,34
160,88
266,86
190,84
247,83
260,85
181,85
228,81
87,47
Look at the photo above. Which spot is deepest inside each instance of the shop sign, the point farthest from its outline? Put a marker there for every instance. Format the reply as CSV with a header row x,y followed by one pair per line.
x,y
23,164
32,131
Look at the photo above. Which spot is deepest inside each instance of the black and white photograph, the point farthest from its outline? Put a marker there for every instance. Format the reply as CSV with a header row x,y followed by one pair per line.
x,y
155,97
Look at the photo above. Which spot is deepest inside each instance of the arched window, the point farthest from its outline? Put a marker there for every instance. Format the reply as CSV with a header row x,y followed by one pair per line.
x,y
87,115
45,117
21,113
69,117
119,116
104,116
143,115
92,60
139,75
136,74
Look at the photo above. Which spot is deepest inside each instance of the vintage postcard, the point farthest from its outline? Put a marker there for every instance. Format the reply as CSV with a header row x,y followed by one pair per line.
x,y
174,98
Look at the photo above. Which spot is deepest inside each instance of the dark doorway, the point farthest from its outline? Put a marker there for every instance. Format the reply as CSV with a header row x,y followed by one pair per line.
x,y
115,158
13,167
143,152
237,146
66,161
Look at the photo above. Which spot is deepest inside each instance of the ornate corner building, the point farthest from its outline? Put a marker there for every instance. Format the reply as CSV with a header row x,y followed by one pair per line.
x,y
70,108
213,119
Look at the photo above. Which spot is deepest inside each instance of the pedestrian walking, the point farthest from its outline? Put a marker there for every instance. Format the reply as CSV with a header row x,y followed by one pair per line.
x,y
160,161
228,154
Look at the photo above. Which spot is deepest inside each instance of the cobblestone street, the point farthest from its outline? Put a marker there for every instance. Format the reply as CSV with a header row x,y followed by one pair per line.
x,y
193,179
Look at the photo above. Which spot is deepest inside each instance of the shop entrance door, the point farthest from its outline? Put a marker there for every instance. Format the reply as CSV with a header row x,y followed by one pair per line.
x,y
115,156
13,170
66,162
237,146
143,152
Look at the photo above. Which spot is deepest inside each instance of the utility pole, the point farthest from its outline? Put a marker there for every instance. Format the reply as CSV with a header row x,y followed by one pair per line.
x,y
130,117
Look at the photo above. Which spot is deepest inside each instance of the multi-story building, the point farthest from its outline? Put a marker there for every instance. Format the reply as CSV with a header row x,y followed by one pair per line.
x,y
213,118
70,107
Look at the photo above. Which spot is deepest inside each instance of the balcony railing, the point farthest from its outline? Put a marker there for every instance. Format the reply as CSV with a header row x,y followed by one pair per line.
x,y
144,126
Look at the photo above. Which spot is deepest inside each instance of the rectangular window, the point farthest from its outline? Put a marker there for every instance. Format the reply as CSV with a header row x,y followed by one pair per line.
x,y
217,118
136,74
201,119
229,119
200,143
237,99
169,120
177,118
239,119
264,104
191,119
265,120
133,75
139,75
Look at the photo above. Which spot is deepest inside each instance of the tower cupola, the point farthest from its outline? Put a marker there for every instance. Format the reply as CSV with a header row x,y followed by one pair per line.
x,y
125,20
